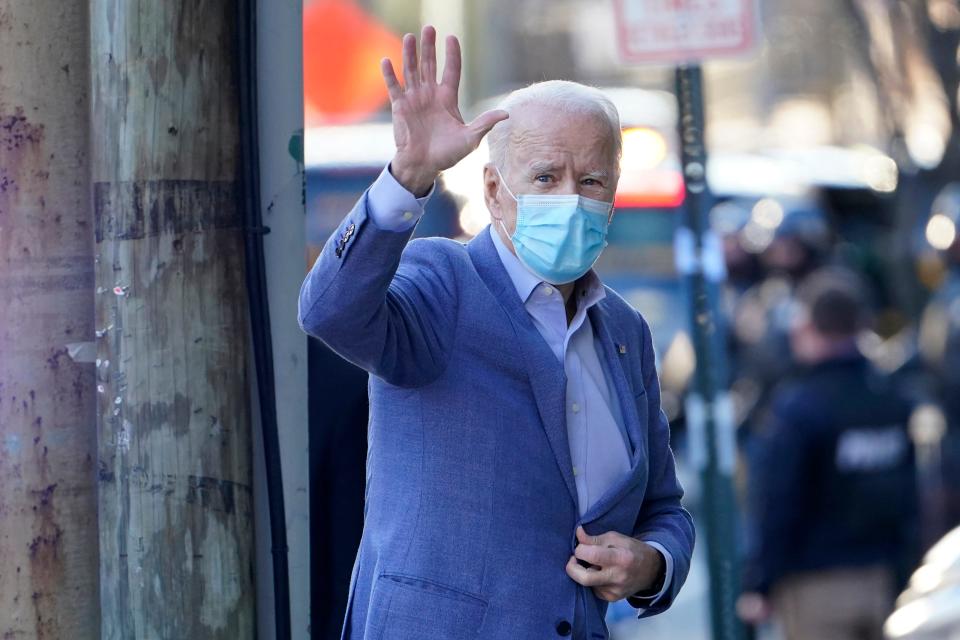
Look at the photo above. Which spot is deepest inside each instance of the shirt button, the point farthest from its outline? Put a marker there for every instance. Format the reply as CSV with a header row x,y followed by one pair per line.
x,y
408,215
575,472
575,407
548,290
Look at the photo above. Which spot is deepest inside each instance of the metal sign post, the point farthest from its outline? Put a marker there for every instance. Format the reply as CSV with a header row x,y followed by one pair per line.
x,y
682,33
709,411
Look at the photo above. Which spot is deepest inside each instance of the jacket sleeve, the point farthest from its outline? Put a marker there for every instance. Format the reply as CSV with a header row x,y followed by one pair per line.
x,y
662,519
388,307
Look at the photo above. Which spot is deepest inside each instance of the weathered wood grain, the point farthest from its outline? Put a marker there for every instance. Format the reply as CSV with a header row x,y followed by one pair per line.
x,y
176,513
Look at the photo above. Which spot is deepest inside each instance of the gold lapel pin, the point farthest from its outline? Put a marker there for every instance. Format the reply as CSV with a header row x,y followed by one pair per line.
x,y
622,348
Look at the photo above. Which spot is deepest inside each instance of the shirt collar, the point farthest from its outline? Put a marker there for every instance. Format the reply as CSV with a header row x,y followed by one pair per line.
x,y
588,287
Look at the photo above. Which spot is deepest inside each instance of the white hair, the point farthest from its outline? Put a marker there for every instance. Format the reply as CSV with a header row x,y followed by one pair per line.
x,y
564,95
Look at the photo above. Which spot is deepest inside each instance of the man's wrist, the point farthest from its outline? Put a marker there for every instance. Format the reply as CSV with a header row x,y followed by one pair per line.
x,y
414,179
661,577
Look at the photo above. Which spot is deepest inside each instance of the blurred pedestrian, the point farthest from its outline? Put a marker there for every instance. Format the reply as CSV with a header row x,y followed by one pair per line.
x,y
519,474
832,483
939,343
786,238
796,245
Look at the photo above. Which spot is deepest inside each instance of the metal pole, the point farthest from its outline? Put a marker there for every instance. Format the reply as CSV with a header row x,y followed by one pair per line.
x,y
48,454
175,463
709,412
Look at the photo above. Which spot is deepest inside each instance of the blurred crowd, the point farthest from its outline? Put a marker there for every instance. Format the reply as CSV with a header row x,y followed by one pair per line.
x,y
847,409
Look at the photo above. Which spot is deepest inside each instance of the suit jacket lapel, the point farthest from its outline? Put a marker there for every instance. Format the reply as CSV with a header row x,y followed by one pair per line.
x,y
614,360
605,331
546,374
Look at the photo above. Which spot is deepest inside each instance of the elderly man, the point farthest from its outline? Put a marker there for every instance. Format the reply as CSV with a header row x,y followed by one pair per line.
x,y
519,475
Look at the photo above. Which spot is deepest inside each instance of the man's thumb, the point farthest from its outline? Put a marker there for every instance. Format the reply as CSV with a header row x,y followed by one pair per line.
x,y
482,124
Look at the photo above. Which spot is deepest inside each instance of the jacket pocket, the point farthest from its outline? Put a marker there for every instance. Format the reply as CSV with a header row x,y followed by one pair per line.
x,y
406,607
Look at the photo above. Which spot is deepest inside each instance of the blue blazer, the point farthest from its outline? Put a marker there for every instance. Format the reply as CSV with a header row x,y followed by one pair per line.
x,y
471,508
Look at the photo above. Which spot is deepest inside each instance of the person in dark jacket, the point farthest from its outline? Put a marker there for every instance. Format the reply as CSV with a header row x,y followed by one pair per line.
x,y
832,481
939,348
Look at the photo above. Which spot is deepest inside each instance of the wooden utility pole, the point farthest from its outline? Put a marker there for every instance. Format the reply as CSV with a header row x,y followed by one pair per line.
x,y
176,518
48,527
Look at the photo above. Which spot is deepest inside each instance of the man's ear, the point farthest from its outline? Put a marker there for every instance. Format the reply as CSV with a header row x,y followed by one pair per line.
x,y
491,187
616,184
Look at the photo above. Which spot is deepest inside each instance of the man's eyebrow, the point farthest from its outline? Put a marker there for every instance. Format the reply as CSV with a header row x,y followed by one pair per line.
x,y
545,166
541,165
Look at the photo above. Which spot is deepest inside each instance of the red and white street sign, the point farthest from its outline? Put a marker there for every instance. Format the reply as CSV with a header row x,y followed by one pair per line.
x,y
684,30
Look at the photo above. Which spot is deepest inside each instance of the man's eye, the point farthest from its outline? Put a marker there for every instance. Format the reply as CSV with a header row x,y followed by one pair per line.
x,y
544,178
592,182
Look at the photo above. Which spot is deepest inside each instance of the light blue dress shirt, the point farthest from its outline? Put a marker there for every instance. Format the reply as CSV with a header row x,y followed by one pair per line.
x,y
599,447
598,442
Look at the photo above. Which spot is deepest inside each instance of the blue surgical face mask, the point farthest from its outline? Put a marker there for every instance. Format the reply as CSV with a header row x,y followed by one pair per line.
x,y
558,237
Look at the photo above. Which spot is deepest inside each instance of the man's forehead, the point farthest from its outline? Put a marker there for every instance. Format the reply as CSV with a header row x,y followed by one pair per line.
x,y
545,153
543,120
545,129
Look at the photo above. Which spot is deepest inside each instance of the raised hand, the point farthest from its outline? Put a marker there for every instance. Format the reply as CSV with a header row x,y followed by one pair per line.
x,y
427,126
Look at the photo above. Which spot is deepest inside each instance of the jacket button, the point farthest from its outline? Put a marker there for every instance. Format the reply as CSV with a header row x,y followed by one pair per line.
x,y
564,628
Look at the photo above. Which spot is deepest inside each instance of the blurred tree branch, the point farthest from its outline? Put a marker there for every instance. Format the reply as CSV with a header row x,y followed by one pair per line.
x,y
913,49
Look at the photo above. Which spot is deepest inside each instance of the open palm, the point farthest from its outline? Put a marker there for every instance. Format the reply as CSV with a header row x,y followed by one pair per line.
x,y
428,129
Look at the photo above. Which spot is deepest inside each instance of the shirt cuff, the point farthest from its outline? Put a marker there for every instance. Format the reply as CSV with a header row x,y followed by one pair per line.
x,y
646,602
391,207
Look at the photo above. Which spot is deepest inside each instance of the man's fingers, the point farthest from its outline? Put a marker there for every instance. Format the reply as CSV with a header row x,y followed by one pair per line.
x,y
482,124
614,539
608,539
598,555
428,55
411,72
585,538
451,65
584,576
390,78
